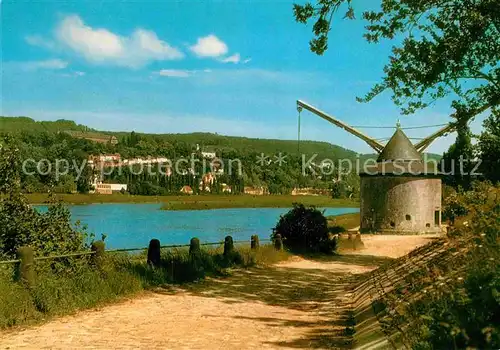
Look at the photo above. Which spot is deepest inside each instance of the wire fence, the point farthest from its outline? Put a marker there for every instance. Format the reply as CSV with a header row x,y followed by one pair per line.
x,y
51,257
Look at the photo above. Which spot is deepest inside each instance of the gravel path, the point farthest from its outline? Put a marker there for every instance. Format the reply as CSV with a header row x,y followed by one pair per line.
x,y
297,304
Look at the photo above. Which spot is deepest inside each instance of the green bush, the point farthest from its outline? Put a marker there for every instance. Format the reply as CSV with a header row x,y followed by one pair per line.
x,y
58,293
452,301
304,229
16,304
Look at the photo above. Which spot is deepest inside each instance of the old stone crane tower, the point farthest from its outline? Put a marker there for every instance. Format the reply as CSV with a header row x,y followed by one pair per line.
x,y
400,192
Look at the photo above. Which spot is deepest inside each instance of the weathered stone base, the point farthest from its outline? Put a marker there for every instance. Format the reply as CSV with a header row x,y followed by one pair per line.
x,y
403,233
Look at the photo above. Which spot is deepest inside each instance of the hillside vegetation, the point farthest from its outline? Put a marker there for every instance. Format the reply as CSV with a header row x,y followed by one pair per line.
x,y
18,124
63,139
54,141
209,141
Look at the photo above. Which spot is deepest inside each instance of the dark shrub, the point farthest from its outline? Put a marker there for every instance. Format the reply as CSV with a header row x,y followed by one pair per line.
x,y
303,229
336,230
154,252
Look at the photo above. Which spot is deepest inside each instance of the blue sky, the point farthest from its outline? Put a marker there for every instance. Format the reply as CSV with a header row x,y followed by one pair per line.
x,y
231,67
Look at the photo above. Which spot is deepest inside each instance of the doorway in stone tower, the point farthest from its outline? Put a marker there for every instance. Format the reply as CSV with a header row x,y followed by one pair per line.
x,y
437,218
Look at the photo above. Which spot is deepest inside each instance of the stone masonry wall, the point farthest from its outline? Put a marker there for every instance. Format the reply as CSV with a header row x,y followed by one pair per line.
x,y
400,204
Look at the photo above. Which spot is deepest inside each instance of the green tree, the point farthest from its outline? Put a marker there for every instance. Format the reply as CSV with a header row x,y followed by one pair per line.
x,y
84,181
448,48
454,206
10,165
489,148
457,162
20,224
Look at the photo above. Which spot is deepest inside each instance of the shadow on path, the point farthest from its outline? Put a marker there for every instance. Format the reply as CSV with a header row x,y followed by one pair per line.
x,y
321,292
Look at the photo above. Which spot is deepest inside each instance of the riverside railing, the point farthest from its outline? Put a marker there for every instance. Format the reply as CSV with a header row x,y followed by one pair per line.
x,y
26,259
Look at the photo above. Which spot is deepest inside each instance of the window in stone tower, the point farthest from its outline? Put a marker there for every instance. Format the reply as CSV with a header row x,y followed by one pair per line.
x,y
437,218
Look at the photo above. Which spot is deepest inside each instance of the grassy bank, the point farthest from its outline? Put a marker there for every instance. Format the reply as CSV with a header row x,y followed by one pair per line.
x,y
200,201
65,286
348,221
248,201
41,198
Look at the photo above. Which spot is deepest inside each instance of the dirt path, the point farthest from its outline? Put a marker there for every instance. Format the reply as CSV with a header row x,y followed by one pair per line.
x,y
298,304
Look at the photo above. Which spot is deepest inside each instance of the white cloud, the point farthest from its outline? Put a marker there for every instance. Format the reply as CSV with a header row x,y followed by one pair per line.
x,y
99,45
180,73
236,58
74,74
232,59
175,73
38,40
46,64
209,46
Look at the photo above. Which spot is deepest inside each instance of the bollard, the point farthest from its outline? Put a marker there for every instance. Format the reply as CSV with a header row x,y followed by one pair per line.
x,y
228,246
358,243
195,258
350,241
154,253
26,269
278,242
98,247
254,242
194,246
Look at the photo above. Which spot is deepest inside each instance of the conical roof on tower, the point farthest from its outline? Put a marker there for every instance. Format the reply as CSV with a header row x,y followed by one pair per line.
x,y
399,148
400,157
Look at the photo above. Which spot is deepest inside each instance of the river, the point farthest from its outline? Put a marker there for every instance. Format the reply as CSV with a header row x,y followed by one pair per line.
x,y
134,225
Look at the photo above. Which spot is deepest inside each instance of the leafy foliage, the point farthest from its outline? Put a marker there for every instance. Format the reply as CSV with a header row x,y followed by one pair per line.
x,y
458,160
348,188
465,314
459,203
449,299
489,148
453,207
21,225
449,47
304,229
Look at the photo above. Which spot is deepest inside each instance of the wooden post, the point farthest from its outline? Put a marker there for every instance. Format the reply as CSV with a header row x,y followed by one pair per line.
x,y
228,246
194,246
278,242
154,255
99,248
254,242
26,269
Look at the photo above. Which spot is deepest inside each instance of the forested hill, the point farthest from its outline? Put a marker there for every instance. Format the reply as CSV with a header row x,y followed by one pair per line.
x,y
215,142
207,141
65,139
15,124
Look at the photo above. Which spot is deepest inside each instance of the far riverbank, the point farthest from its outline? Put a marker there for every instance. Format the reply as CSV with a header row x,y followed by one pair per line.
x,y
199,202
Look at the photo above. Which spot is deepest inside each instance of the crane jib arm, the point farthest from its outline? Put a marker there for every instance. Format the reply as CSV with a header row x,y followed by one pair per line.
x,y
371,142
422,145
